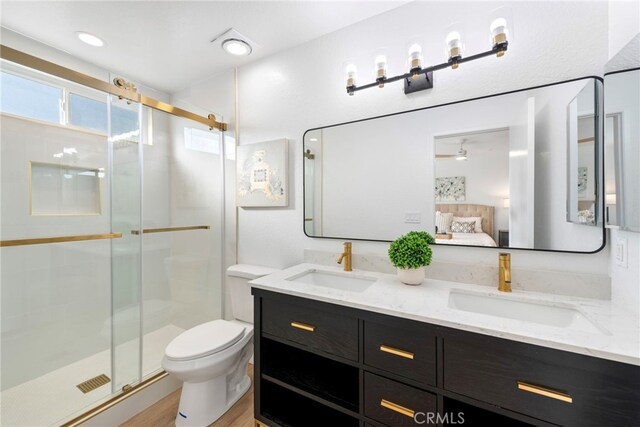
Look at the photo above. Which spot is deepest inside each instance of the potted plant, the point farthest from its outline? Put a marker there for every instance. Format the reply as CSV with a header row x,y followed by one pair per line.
x,y
411,254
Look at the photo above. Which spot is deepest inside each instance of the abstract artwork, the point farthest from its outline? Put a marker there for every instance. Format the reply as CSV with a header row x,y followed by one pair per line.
x,y
450,189
262,174
582,179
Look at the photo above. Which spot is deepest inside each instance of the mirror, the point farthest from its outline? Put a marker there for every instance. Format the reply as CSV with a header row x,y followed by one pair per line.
x,y
622,150
582,168
496,171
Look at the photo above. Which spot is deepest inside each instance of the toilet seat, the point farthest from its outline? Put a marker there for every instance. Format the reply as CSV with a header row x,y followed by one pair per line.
x,y
204,340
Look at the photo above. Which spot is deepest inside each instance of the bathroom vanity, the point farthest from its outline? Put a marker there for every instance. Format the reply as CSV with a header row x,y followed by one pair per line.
x,y
380,353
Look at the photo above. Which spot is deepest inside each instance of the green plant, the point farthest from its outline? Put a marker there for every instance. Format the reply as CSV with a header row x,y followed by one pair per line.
x,y
411,250
423,235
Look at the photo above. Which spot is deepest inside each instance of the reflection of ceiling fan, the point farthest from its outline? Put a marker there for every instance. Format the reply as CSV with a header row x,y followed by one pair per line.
x,y
460,155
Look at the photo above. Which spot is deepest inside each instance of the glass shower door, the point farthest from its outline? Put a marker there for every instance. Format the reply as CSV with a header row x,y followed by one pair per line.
x,y
182,223
125,147
59,232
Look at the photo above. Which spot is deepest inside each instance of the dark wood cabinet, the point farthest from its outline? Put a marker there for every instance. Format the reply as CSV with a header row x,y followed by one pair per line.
x,y
395,404
351,367
409,351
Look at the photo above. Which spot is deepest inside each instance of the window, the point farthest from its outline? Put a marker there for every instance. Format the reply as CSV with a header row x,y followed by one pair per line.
x,y
87,113
85,108
201,140
30,98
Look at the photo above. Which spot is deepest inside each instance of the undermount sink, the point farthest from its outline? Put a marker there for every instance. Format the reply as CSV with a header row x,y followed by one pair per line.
x,y
330,279
526,311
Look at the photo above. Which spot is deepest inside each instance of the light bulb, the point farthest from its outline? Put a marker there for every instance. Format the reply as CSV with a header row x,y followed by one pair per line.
x,y
351,76
454,48
499,32
381,69
415,59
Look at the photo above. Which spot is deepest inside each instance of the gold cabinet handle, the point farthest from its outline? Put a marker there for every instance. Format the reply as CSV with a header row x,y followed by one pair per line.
x,y
553,394
396,352
303,326
397,408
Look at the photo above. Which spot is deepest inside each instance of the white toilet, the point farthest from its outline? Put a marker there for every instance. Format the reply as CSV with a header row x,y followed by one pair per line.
x,y
211,358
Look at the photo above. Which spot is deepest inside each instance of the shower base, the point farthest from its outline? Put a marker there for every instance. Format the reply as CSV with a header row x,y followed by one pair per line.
x,y
54,398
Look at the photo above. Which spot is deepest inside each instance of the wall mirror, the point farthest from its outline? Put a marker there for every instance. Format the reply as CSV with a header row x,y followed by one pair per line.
x,y
622,149
519,170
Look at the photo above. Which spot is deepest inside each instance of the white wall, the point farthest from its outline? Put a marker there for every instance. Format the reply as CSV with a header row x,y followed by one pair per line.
x,y
624,24
374,172
288,93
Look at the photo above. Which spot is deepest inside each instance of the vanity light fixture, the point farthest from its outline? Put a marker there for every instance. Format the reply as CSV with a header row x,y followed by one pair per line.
x,y
418,78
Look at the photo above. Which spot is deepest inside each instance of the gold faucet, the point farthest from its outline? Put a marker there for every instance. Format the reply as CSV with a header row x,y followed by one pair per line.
x,y
346,255
504,274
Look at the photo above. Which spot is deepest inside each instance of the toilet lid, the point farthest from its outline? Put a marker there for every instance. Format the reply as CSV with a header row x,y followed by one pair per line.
x,y
205,339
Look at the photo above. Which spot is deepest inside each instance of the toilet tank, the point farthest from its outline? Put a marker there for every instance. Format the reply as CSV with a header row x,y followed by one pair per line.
x,y
238,277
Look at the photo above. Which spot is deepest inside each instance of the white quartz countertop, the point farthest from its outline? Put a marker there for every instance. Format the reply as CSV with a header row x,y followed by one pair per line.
x,y
618,338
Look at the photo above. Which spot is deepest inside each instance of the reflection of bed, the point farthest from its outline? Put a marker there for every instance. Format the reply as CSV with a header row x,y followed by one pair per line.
x,y
468,210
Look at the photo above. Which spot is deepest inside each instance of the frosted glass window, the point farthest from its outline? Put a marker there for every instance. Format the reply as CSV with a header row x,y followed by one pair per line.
x,y
65,190
29,98
87,113
201,140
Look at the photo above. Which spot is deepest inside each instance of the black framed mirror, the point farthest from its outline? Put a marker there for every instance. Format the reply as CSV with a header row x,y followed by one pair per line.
x,y
496,171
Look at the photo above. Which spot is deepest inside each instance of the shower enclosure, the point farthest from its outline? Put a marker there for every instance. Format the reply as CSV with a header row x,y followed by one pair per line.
x,y
111,237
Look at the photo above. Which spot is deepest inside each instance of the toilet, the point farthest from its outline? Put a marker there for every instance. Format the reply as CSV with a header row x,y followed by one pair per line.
x,y
211,359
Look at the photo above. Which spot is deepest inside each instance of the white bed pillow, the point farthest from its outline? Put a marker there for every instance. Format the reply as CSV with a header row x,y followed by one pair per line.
x,y
443,221
477,219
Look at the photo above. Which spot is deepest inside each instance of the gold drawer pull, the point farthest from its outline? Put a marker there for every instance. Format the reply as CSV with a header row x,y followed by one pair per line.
x,y
395,351
397,408
545,392
303,326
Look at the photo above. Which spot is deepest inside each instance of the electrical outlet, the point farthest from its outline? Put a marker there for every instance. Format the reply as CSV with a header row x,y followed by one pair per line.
x,y
621,253
412,217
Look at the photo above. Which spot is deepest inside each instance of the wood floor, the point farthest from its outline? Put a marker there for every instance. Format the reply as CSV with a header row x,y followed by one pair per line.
x,y
163,413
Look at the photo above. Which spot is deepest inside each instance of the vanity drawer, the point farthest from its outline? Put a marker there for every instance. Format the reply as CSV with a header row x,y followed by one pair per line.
x,y
409,351
555,386
395,404
318,329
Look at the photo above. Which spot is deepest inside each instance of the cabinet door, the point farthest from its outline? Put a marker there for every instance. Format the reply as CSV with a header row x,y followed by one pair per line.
x,y
409,351
318,329
556,386
395,404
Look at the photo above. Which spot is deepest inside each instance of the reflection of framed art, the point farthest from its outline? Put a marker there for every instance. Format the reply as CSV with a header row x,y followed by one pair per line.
x,y
450,189
262,174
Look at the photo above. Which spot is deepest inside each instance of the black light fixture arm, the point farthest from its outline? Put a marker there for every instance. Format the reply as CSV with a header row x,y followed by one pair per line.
x,y
499,49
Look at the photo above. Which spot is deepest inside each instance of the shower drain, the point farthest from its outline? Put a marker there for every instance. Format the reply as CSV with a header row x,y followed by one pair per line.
x,y
93,383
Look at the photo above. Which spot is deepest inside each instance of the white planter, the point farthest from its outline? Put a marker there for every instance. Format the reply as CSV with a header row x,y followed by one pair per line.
x,y
411,276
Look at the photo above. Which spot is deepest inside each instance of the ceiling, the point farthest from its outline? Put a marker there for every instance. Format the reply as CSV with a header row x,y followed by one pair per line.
x,y
166,44
474,142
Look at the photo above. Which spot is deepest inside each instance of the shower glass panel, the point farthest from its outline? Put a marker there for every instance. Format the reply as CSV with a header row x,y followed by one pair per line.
x,y
181,241
126,207
55,315
111,226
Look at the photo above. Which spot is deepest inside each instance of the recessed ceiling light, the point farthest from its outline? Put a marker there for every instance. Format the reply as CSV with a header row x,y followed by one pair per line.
x,y
313,139
236,47
90,39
